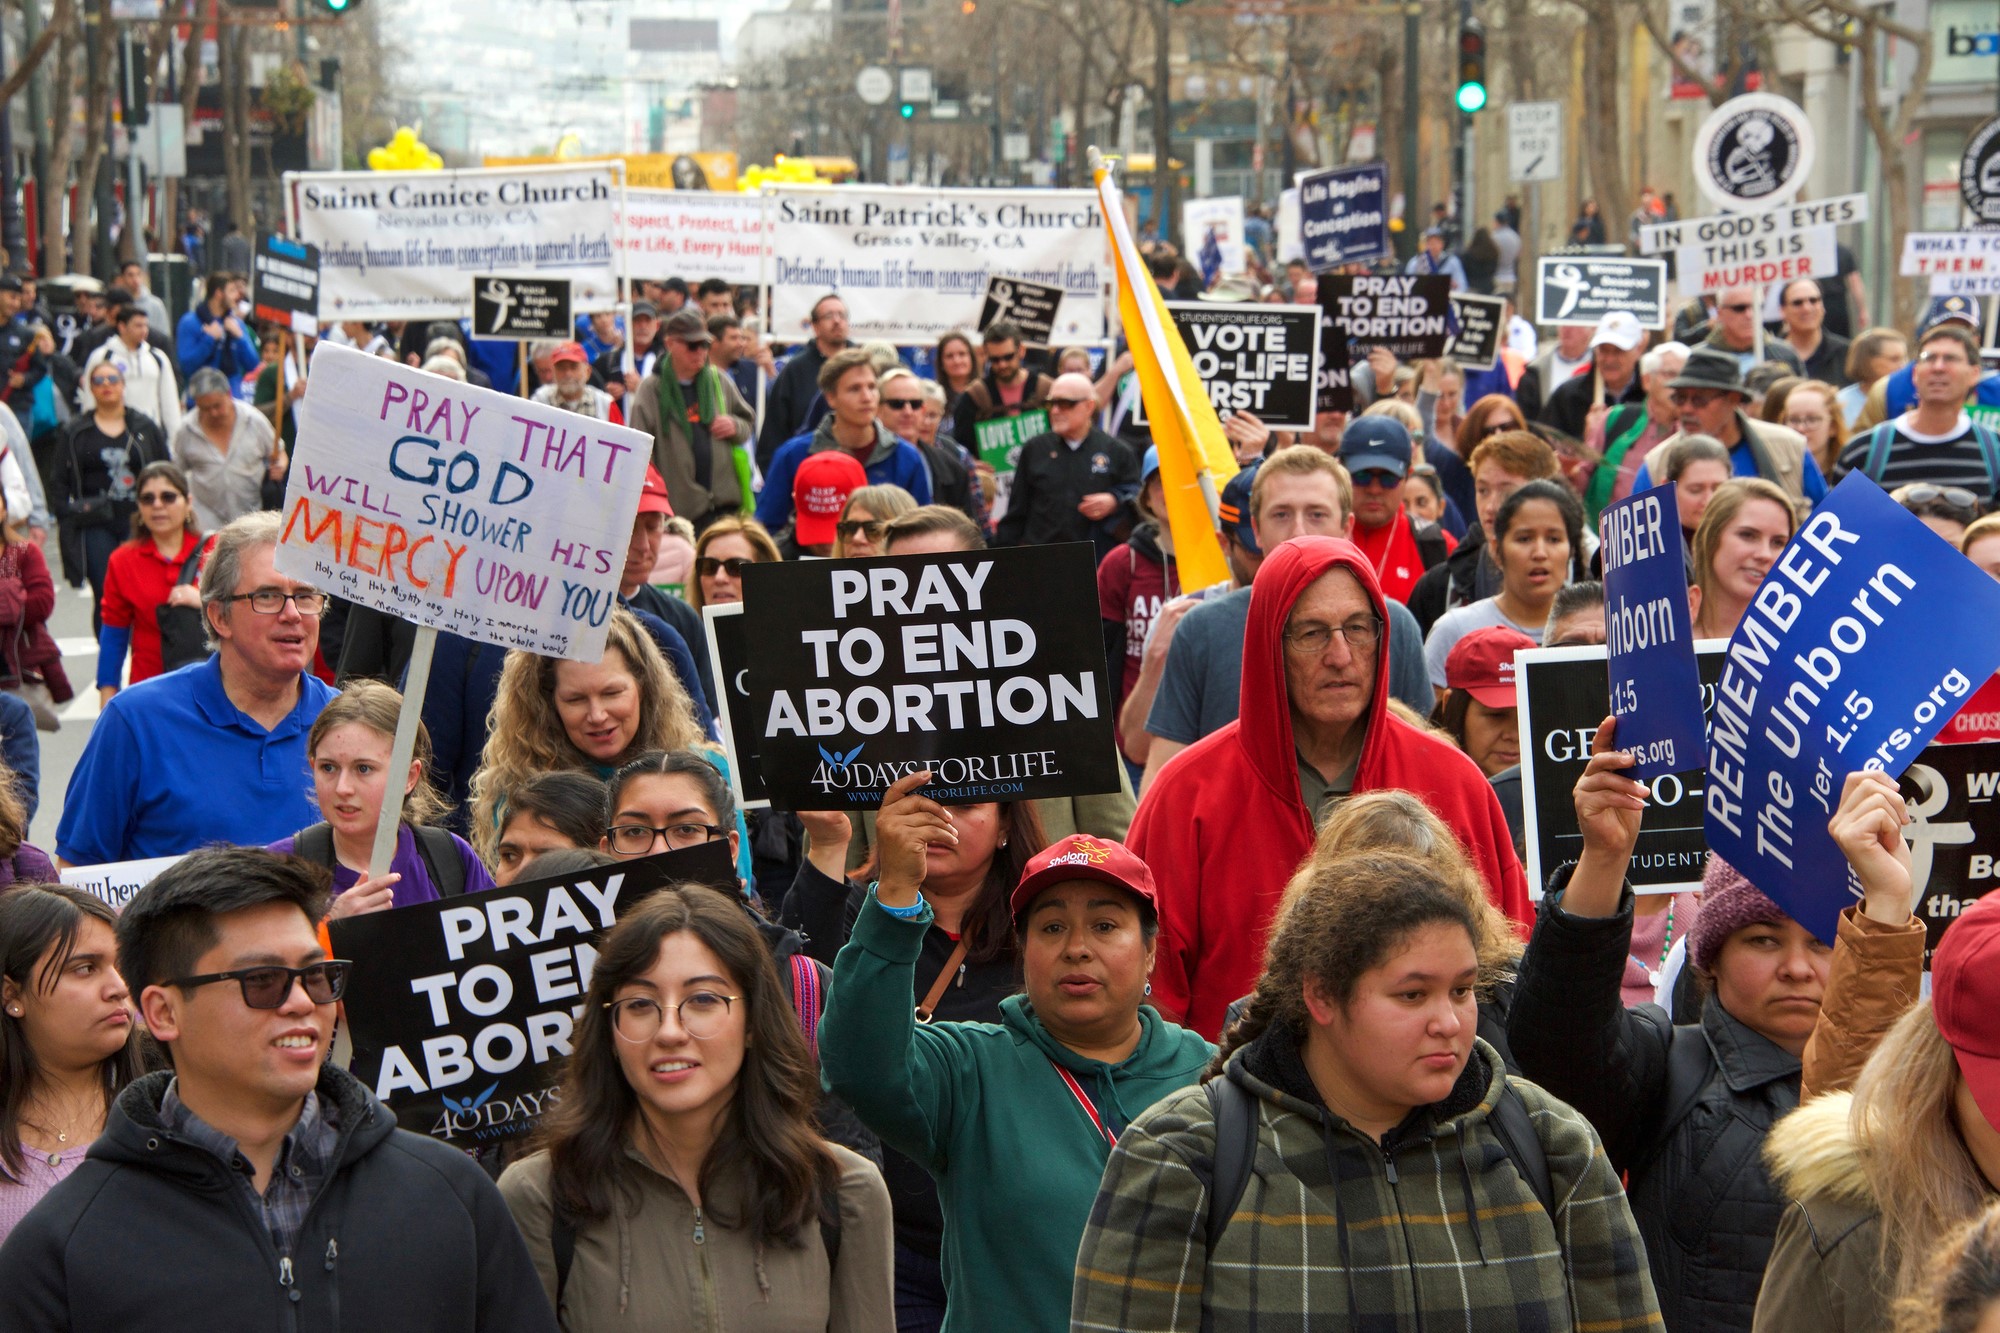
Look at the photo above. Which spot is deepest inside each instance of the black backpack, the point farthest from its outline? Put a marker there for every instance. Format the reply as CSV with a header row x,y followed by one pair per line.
x,y
434,845
1235,1112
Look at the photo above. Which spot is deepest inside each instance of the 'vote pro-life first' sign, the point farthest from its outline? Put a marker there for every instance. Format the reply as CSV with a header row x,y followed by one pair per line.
x,y
463,1009
985,667
1562,702
1344,216
1655,685
471,511
1252,358
1862,642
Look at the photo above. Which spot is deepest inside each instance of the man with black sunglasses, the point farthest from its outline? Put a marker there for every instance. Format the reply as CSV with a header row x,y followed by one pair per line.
x,y
1735,332
267,1187
1074,483
1009,388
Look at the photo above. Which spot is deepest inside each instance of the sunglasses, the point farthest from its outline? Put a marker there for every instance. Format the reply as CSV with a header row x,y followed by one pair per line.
x,y
1376,478
96,380
1924,493
270,987
1804,300
708,565
850,528
1003,356
159,497
902,404
1739,308
1067,403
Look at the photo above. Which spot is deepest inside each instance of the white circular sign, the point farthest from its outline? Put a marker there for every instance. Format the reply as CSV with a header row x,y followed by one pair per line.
x,y
1979,173
1753,152
873,85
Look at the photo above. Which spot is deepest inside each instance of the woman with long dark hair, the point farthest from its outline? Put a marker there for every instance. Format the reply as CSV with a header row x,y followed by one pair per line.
x,y
1387,1171
680,1172
158,567
969,963
1537,541
68,1043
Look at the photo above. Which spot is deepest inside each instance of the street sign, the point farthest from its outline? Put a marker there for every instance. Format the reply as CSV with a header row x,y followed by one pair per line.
x,y
873,85
521,309
1534,142
916,85
1979,173
1014,146
1753,152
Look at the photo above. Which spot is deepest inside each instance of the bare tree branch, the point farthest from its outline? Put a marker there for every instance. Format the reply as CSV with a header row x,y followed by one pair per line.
x,y
31,59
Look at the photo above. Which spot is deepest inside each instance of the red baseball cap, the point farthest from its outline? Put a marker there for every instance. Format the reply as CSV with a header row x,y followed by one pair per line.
x,y
819,492
1081,856
569,352
653,498
1965,999
1482,664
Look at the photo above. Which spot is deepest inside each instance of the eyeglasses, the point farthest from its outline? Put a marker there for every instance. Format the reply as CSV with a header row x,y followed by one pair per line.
x,y
1739,307
271,987
1694,397
269,601
1376,478
637,839
850,528
1312,640
708,565
1067,403
902,404
1942,359
159,497
96,380
701,1015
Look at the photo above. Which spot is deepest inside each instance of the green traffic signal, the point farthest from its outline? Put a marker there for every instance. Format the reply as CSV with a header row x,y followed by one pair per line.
x,y
1471,65
908,110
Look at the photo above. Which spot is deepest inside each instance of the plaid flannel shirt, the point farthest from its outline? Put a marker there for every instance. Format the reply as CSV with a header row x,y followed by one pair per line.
x,y
304,1159
1443,1233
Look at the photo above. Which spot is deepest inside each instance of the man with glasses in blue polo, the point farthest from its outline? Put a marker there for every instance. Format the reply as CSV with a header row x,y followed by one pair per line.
x,y
214,752
264,1186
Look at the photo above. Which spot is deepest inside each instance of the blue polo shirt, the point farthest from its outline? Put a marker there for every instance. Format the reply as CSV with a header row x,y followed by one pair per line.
x,y
172,765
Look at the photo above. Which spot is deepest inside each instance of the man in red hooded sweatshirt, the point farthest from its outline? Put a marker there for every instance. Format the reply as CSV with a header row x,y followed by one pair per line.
x,y
1228,820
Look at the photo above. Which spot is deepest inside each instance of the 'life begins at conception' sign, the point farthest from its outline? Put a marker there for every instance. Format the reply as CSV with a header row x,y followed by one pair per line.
x,y
986,667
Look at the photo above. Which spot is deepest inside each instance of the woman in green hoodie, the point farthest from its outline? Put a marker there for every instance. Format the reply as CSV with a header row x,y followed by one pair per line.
x,y
1359,1157
1015,1119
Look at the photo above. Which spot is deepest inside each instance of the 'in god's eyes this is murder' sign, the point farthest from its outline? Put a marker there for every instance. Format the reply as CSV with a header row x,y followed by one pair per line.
x,y
985,667
456,507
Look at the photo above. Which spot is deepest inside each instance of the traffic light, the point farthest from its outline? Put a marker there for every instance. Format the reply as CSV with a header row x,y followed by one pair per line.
x,y
339,6
908,111
1471,65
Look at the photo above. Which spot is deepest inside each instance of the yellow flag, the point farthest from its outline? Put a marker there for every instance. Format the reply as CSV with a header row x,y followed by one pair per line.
x,y
1185,429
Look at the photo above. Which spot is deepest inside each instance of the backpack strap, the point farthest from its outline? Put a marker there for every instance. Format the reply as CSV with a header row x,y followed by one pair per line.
x,y
806,994
315,844
1879,441
1235,1146
1689,1065
562,1239
1516,1129
441,860
1989,448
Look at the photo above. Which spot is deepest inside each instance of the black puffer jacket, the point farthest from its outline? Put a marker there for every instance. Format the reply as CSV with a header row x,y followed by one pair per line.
x,y
1703,1199
152,1233
1461,578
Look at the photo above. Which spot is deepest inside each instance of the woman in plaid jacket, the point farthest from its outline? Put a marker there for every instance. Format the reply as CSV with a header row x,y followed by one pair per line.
x,y
1388,1185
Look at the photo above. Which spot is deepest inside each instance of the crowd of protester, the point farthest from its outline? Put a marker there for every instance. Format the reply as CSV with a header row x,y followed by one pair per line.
x,y
1275,1034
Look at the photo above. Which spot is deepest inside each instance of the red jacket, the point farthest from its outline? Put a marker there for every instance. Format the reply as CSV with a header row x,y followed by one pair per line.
x,y
1224,826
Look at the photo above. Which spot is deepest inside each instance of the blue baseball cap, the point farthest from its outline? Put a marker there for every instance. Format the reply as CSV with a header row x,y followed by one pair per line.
x,y
1948,310
1376,443
1150,465
1234,507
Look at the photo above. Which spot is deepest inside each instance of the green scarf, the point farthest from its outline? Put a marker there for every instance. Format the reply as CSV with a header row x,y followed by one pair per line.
x,y
709,404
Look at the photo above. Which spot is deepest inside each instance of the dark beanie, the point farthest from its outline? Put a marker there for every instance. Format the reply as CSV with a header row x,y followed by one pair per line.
x,y
1729,902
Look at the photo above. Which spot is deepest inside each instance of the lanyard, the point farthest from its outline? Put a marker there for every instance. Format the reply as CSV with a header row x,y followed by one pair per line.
x,y
1083,1100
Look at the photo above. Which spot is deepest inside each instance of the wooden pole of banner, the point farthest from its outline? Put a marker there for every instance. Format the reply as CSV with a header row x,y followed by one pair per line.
x,y
278,389
1757,323
1992,338
522,349
415,685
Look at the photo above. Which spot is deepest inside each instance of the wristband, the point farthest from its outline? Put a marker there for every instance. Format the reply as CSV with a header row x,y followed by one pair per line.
x,y
910,913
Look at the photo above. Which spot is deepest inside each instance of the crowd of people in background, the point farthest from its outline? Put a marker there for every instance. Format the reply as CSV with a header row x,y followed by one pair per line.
x,y
1274,1033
